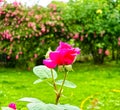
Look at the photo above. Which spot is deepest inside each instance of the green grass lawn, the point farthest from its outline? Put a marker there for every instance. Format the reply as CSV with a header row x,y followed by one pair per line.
x,y
98,87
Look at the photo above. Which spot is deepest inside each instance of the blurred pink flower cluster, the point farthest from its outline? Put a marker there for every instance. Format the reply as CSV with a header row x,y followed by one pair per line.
x,y
101,51
6,35
119,41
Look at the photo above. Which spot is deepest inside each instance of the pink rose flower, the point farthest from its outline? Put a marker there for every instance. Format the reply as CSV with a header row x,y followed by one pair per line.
x,y
76,36
35,55
65,54
8,57
119,43
107,52
1,0
17,57
118,38
20,52
100,50
13,106
16,4
82,38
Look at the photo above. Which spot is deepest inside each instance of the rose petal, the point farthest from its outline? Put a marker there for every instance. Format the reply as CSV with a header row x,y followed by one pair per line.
x,y
77,50
55,56
63,45
49,63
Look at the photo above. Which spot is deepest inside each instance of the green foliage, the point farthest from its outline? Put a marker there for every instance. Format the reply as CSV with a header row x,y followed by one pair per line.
x,y
39,105
44,73
30,100
94,23
99,82
26,32
6,108
66,84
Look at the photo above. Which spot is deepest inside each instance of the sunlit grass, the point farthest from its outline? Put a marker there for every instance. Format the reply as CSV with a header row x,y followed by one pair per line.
x,y
97,87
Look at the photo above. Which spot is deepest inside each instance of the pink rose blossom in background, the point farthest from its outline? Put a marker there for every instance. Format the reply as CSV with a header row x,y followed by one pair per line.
x,y
20,52
6,35
100,50
76,36
119,43
82,38
8,57
118,38
17,57
16,4
107,52
53,6
31,24
35,55
1,0
86,35
43,29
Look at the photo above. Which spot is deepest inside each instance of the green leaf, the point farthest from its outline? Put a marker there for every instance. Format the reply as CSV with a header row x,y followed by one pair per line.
x,y
40,106
66,84
31,100
44,72
52,107
6,108
36,106
68,107
37,81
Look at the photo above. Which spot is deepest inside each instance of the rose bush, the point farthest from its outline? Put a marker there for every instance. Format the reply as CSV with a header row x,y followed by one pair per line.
x,y
92,25
23,28
95,25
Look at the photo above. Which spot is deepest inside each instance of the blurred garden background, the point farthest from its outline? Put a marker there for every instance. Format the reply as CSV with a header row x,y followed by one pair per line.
x,y
28,32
